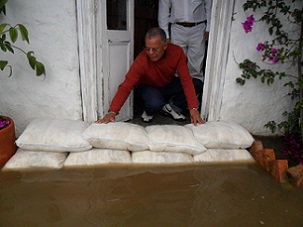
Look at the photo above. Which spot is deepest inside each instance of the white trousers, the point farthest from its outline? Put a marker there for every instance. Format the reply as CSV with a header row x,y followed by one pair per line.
x,y
192,40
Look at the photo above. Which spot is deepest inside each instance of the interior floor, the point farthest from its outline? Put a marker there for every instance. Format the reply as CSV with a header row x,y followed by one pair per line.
x,y
158,119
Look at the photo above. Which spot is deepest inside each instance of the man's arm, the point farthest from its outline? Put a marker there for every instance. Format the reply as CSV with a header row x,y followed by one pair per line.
x,y
208,8
163,15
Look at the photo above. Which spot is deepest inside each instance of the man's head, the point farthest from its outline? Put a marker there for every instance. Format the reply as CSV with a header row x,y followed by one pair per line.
x,y
155,43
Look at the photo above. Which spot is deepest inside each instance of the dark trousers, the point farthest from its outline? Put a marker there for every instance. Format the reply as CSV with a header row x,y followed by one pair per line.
x,y
155,98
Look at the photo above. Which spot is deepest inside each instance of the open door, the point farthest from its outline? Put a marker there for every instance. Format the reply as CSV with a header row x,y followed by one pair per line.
x,y
105,30
118,53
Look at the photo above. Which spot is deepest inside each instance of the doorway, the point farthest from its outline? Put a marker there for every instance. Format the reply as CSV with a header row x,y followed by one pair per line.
x,y
146,17
92,34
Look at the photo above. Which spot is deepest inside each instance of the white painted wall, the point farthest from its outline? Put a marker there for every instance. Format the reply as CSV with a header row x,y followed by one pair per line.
x,y
254,104
52,29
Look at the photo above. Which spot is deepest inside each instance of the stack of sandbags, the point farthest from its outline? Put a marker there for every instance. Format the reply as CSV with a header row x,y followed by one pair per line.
x,y
169,144
51,143
150,145
112,143
45,143
224,141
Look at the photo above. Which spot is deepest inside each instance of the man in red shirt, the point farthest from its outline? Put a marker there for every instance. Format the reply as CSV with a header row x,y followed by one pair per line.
x,y
153,75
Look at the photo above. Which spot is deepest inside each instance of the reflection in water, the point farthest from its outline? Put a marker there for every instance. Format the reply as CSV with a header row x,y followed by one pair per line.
x,y
198,195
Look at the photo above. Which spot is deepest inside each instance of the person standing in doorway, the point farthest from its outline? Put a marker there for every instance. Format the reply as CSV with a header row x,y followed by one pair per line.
x,y
187,23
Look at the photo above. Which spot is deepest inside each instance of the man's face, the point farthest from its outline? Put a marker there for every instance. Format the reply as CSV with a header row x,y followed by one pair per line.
x,y
155,48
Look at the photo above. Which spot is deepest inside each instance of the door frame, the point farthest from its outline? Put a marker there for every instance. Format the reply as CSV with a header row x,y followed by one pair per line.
x,y
217,56
91,36
86,26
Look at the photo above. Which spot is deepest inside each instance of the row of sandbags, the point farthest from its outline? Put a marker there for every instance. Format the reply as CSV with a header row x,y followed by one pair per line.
x,y
57,143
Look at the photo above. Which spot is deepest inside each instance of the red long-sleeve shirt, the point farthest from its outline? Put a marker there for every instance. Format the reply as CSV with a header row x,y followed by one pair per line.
x,y
158,74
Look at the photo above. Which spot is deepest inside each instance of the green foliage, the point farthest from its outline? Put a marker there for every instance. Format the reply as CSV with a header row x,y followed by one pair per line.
x,y
8,36
280,49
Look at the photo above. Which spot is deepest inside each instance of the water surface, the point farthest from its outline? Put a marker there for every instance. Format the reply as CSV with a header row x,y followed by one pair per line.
x,y
197,195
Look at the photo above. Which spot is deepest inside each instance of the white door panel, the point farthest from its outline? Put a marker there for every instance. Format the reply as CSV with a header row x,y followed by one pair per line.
x,y
119,52
119,64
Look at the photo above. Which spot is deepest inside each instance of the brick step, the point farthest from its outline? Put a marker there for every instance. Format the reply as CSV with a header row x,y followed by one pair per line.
x,y
278,168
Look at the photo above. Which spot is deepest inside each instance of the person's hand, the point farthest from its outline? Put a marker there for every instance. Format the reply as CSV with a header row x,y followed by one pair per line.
x,y
110,117
195,117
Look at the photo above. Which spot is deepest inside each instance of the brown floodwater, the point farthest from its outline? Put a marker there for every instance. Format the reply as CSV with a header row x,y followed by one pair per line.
x,y
137,195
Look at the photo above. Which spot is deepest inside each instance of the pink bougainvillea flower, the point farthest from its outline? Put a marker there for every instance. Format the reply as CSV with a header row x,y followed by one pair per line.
x,y
251,19
260,47
4,123
247,25
274,51
275,60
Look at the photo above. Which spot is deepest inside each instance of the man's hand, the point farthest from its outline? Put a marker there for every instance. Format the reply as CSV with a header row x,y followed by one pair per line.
x,y
195,117
110,117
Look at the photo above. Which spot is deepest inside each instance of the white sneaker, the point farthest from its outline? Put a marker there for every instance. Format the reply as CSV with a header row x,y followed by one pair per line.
x,y
168,111
146,118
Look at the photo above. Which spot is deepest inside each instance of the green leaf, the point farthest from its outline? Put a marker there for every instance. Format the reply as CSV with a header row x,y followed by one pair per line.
x,y
13,33
2,3
31,59
270,81
24,33
3,37
240,81
40,69
9,47
3,64
2,27
3,47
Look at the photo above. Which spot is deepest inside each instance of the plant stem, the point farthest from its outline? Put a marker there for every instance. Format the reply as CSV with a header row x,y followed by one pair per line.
x,y
18,48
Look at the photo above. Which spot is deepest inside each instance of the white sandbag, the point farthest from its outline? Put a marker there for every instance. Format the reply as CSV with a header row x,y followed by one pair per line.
x,y
54,135
150,157
173,138
97,156
220,134
26,159
117,136
224,155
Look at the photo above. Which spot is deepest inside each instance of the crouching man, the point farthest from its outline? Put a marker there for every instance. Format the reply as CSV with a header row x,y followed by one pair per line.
x,y
153,75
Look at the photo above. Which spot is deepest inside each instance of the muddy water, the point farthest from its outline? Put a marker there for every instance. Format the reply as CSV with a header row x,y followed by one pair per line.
x,y
215,195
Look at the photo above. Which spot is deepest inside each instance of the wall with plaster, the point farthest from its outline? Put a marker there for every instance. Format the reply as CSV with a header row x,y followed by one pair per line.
x,y
255,103
52,27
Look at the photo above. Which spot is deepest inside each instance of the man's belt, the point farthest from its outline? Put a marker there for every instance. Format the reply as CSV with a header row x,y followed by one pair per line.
x,y
189,24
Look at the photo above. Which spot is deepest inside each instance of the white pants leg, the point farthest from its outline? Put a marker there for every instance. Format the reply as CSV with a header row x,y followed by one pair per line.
x,y
192,40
